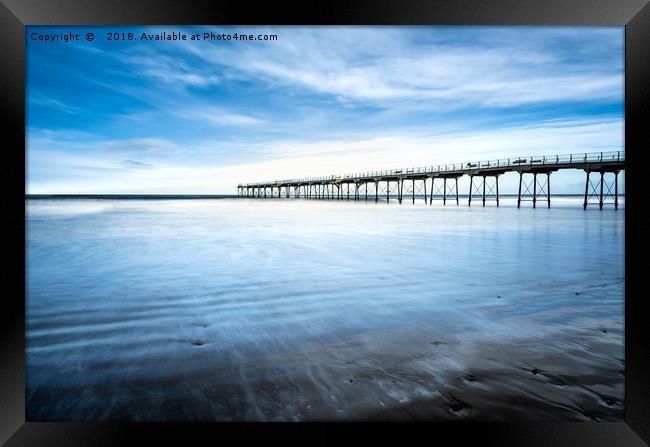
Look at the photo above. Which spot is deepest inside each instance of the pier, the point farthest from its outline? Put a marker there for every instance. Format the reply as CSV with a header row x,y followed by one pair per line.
x,y
440,182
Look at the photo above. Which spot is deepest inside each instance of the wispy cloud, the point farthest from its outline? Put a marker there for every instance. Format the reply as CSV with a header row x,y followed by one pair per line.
x,y
200,117
55,104
135,164
376,65
293,159
218,116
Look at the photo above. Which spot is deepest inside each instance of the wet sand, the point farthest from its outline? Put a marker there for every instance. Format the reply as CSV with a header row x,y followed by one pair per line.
x,y
202,310
400,375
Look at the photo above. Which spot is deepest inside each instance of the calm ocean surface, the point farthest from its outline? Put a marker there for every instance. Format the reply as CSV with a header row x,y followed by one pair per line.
x,y
244,309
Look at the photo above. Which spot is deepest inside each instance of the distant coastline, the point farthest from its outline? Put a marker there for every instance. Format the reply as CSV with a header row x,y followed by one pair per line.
x,y
199,196
131,196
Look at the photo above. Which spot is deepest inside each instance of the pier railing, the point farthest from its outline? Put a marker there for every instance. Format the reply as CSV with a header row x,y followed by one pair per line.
x,y
513,163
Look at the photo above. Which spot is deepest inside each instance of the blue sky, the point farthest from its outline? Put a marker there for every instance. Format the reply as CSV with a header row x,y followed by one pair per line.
x,y
201,117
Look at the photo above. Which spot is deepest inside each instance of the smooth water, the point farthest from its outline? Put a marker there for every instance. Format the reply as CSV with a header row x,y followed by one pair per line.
x,y
289,309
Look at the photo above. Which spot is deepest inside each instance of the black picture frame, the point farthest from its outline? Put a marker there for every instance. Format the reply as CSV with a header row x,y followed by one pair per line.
x,y
16,14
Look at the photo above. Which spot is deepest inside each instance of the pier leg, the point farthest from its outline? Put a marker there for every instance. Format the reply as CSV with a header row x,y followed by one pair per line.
x,y
356,191
616,190
388,190
433,180
548,189
376,191
366,191
602,181
413,191
457,202
348,191
471,184
584,206
424,189
496,178
444,191
521,176
483,190
534,189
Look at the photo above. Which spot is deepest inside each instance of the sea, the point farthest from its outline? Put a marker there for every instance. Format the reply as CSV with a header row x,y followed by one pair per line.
x,y
243,309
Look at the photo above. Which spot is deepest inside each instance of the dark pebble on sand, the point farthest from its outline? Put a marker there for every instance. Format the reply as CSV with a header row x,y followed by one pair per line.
x,y
534,371
498,296
198,342
577,293
604,331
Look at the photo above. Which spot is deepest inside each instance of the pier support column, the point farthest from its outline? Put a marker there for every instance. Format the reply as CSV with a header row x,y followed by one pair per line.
x,y
521,177
413,191
400,190
376,191
548,190
483,190
616,190
471,184
424,190
584,206
444,190
388,190
496,179
539,188
602,178
366,188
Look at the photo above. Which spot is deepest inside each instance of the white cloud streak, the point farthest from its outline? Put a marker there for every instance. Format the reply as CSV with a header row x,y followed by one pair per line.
x,y
292,159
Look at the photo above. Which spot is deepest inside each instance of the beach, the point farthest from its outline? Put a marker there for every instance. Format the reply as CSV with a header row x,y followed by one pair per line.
x,y
296,310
